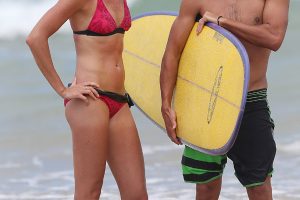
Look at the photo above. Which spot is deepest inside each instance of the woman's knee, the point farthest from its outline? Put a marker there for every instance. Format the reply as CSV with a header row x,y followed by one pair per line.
x,y
138,195
87,193
87,188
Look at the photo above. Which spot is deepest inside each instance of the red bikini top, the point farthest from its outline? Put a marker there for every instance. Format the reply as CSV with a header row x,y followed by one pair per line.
x,y
103,24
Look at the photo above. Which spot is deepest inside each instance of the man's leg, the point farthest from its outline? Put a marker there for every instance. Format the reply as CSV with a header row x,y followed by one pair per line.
x,y
261,192
204,170
209,191
254,150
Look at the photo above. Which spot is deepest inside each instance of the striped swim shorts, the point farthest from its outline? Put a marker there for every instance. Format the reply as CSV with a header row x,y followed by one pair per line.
x,y
252,153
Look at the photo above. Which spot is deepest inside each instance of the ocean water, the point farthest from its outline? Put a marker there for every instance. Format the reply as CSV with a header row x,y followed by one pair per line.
x,y
35,140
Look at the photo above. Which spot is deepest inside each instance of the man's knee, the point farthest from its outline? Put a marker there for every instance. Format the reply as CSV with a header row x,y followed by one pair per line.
x,y
263,191
209,191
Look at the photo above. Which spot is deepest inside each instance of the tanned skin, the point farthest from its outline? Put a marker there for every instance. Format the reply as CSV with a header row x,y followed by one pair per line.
x,y
259,24
97,139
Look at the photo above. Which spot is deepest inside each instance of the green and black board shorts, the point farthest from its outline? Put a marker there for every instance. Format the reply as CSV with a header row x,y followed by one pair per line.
x,y
252,154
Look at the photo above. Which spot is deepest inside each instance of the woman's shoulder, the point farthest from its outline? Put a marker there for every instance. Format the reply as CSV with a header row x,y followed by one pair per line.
x,y
73,6
83,14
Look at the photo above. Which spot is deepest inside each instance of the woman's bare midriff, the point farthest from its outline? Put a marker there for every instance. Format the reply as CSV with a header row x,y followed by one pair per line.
x,y
99,59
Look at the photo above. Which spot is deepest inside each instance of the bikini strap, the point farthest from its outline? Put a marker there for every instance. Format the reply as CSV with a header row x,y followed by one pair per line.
x,y
92,33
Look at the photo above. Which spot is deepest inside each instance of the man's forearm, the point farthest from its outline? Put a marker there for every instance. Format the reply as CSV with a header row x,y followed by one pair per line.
x,y
168,78
260,35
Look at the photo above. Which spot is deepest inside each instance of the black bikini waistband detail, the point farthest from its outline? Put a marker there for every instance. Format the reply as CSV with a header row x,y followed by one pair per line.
x,y
115,96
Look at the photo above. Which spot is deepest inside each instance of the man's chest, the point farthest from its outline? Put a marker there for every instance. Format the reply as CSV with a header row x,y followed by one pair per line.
x,y
246,11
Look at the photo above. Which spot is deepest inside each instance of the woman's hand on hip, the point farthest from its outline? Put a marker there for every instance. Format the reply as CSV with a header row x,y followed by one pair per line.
x,y
81,91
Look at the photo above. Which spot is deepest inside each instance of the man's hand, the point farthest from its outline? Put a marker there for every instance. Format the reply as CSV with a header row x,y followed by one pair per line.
x,y
207,17
169,116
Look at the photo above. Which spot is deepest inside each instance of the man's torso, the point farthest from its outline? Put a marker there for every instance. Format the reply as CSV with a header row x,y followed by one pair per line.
x,y
251,13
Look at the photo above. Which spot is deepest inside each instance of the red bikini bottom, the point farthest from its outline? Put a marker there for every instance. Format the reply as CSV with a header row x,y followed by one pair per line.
x,y
113,101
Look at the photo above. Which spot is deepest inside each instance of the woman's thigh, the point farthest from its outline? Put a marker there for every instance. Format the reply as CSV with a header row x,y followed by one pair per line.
x,y
89,125
125,155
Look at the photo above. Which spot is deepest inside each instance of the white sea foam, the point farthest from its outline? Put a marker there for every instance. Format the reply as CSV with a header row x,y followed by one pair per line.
x,y
35,197
37,161
38,180
147,149
292,147
9,165
18,17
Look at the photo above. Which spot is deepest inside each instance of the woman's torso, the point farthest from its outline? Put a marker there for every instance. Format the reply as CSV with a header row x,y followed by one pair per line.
x,y
99,58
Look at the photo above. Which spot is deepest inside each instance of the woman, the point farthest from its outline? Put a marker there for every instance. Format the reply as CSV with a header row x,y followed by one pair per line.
x,y
101,122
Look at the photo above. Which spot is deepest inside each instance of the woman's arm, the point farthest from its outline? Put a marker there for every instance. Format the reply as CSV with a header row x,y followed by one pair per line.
x,y
38,43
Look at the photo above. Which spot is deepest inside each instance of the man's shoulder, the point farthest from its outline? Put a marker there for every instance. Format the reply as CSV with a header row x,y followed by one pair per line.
x,y
192,3
190,7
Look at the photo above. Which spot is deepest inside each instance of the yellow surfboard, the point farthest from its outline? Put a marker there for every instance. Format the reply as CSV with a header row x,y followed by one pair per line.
x,y
212,81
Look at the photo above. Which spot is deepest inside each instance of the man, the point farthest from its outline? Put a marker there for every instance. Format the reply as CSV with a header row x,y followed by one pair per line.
x,y
261,27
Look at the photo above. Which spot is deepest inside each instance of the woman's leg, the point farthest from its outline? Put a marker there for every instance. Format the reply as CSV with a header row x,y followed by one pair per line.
x,y
125,156
89,125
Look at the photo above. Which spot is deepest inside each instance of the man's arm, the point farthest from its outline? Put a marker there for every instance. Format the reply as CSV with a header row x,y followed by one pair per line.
x,y
178,36
269,34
